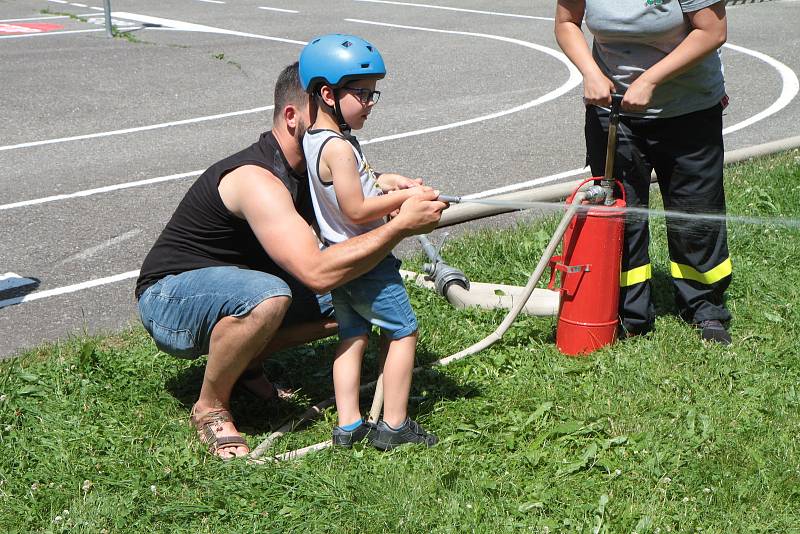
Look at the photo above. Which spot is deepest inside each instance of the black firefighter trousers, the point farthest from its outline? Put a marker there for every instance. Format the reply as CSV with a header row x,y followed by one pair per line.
x,y
687,155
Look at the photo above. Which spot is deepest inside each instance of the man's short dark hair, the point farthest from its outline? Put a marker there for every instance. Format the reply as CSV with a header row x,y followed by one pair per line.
x,y
288,90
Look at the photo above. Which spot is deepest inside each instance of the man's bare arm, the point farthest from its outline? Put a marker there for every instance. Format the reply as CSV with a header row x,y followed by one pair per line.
x,y
261,199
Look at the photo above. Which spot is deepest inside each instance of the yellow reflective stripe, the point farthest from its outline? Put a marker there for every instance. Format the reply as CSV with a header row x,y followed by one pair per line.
x,y
709,277
635,276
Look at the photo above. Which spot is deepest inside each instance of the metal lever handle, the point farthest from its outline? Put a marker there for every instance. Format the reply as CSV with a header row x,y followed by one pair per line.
x,y
613,122
445,235
611,150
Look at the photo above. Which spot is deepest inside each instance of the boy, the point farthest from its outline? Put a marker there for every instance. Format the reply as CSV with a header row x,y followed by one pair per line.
x,y
341,72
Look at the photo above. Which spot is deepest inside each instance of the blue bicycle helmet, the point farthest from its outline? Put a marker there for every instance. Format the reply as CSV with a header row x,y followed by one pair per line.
x,y
336,58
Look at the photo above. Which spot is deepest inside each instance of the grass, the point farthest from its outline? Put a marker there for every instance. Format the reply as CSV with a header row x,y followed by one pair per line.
x,y
656,434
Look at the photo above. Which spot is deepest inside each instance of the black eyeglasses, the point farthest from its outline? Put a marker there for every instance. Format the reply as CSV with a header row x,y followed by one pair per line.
x,y
364,95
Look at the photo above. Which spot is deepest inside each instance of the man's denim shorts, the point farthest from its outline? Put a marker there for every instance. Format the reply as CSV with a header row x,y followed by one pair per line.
x,y
376,298
180,311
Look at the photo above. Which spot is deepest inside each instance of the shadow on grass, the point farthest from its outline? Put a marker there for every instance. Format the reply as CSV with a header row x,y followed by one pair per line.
x,y
308,371
664,296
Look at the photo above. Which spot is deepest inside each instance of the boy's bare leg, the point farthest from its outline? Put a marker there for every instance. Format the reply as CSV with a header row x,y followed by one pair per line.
x,y
235,341
347,378
397,379
285,338
377,399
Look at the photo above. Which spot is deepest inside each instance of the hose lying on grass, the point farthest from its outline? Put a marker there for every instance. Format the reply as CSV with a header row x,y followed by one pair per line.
x,y
314,411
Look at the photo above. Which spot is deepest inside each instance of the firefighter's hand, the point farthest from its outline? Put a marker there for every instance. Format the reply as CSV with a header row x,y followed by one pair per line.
x,y
639,95
597,90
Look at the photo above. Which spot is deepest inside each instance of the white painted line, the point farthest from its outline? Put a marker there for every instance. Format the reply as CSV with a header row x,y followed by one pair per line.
x,y
530,183
97,8
91,251
68,289
43,34
58,1
789,78
791,86
137,128
180,25
98,190
77,4
495,13
211,1
278,9
36,18
13,281
573,81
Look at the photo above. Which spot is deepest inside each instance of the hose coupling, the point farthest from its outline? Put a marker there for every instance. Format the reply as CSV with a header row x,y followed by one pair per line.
x,y
443,276
595,194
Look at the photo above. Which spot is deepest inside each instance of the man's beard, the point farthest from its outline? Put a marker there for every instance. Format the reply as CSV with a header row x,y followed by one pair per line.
x,y
300,131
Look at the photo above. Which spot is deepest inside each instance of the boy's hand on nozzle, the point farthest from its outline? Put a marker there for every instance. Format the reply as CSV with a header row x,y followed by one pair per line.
x,y
404,182
420,213
405,194
391,182
412,191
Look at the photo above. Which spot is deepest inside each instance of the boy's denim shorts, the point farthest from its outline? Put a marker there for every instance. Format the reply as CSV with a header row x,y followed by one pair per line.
x,y
376,298
180,311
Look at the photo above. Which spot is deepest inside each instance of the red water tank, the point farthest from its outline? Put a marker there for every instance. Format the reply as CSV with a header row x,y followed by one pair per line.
x,y
590,272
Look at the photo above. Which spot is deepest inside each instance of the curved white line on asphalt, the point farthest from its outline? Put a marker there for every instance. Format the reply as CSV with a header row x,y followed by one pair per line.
x,y
573,81
553,178
789,91
68,289
791,86
136,129
98,190
462,10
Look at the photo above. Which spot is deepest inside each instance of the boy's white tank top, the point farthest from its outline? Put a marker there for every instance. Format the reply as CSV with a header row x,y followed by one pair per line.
x,y
334,227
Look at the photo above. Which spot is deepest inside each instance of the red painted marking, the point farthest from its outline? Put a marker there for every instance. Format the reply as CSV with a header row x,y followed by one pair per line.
x,y
29,27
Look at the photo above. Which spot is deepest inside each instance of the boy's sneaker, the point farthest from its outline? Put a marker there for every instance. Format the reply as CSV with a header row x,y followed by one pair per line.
x,y
713,330
346,438
410,432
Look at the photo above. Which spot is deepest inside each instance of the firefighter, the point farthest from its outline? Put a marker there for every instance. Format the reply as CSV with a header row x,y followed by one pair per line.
x,y
663,55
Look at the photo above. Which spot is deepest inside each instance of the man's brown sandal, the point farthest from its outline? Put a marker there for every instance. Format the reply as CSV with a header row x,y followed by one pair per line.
x,y
207,426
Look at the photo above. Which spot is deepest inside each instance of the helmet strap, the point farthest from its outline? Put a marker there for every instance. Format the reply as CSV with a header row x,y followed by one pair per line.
x,y
343,126
336,111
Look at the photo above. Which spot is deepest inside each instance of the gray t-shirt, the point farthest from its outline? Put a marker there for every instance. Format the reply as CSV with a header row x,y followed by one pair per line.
x,y
630,36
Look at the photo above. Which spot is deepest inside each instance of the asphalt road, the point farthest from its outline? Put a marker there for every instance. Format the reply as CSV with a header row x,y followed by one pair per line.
x,y
82,111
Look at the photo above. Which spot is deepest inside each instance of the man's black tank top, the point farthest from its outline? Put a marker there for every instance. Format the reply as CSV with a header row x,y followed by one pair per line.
x,y
203,233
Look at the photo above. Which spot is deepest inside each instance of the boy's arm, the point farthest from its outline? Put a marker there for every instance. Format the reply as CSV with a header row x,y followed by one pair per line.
x,y
338,160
